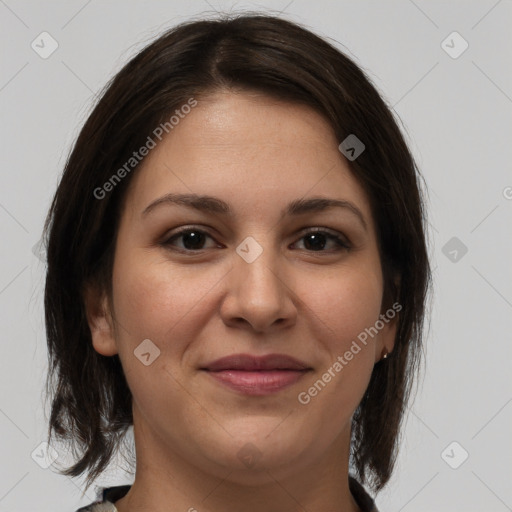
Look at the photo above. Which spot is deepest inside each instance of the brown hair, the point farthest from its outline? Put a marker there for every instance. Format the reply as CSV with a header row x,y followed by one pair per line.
x,y
91,402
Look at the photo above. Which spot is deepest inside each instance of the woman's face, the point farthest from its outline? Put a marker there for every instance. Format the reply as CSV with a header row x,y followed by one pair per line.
x,y
256,269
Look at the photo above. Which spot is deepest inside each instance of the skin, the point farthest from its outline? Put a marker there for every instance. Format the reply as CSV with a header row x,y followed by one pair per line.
x,y
257,154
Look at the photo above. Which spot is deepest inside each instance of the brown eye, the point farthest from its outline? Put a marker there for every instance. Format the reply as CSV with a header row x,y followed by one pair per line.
x,y
192,239
318,240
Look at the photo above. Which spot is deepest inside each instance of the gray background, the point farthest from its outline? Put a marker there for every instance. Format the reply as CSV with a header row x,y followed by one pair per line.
x,y
456,113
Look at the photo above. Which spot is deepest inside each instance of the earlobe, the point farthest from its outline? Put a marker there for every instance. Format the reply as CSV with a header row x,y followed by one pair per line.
x,y
100,321
386,340
387,337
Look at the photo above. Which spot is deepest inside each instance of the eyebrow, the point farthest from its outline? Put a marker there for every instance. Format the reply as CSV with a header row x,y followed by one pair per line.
x,y
209,204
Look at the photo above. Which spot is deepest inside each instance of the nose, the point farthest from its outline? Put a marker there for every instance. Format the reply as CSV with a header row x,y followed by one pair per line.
x,y
259,295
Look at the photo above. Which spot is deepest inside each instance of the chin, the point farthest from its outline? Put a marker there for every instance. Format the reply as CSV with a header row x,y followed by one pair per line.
x,y
258,458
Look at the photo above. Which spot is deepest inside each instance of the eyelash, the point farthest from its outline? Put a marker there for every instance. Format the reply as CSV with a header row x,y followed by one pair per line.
x,y
343,244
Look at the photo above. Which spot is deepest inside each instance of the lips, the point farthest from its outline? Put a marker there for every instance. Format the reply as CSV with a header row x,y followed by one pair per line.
x,y
246,362
257,375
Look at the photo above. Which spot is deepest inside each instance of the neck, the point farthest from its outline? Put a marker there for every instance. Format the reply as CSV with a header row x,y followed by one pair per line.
x,y
167,482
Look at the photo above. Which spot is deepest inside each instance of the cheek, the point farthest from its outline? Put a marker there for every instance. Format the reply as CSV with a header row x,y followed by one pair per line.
x,y
152,292
156,301
345,306
145,307
347,302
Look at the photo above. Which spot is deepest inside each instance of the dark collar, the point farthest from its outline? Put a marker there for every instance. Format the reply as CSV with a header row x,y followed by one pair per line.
x,y
113,494
363,499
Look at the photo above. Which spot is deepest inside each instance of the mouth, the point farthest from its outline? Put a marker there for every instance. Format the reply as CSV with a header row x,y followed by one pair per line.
x,y
257,375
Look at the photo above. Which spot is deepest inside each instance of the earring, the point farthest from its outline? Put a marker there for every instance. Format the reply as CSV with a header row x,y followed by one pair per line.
x,y
385,355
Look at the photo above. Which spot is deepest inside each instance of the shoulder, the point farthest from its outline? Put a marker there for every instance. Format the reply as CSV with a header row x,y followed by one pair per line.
x,y
109,496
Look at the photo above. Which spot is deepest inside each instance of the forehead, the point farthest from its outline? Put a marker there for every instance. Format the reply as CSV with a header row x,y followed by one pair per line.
x,y
247,148
255,123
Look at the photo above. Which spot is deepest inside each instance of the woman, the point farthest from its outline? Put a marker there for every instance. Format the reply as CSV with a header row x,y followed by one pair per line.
x,y
237,267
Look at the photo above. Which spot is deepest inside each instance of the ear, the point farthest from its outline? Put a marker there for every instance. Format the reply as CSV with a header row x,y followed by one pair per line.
x,y
100,321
